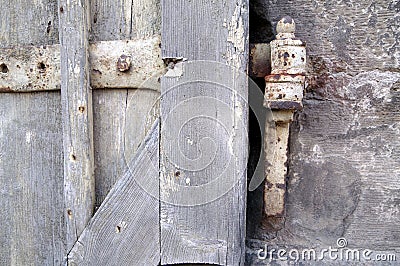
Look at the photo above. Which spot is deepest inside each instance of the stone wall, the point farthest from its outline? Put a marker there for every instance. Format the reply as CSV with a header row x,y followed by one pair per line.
x,y
344,169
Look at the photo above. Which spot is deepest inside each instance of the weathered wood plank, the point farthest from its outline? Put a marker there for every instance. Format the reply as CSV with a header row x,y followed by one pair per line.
x,y
76,100
120,116
122,121
42,28
37,68
125,229
31,180
110,20
109,131
344,154
125,19
31,186
203,119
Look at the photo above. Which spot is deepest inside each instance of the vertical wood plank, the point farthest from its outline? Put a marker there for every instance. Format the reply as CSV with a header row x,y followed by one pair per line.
x,y
32,224
109,129
31,172
124,19
76,97
119,118
28,22
204,132
122,119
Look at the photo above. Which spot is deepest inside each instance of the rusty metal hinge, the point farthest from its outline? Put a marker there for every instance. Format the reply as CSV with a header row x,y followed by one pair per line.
x,y
283,95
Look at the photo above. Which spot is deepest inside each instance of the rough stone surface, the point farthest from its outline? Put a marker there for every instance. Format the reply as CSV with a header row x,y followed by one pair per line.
x,y
344,172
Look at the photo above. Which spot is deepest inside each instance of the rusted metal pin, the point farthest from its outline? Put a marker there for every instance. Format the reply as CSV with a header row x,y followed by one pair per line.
x,y
283,95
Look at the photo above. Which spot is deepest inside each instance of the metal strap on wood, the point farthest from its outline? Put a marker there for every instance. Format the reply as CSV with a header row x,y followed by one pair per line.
x,y
37,68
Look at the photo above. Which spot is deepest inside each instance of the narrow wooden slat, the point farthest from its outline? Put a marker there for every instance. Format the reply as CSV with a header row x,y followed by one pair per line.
x,y
125,229
76,98
37,68
204,114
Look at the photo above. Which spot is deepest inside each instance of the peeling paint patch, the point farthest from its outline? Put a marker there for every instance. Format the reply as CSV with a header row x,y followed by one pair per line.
x,y
189,141
176,71
236,37
236,30
175,66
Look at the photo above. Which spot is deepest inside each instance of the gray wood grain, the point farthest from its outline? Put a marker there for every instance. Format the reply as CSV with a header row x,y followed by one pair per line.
x,y
109,129
122,118
31,177
76,100
122,121
31,165
202,150
39,26
125,229
125,19
39,208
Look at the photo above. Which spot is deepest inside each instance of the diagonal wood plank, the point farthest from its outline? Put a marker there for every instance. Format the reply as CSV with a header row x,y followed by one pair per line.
x,y
125,229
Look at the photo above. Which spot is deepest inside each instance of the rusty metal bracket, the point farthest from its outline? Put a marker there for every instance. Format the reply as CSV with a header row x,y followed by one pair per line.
x,y
113,64
283,95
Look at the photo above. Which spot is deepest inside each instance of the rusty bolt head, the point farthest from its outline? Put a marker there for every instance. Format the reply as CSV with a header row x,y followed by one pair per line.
x,y
124,63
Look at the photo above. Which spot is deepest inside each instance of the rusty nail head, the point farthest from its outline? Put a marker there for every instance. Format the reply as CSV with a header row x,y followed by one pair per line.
x,y
124,63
